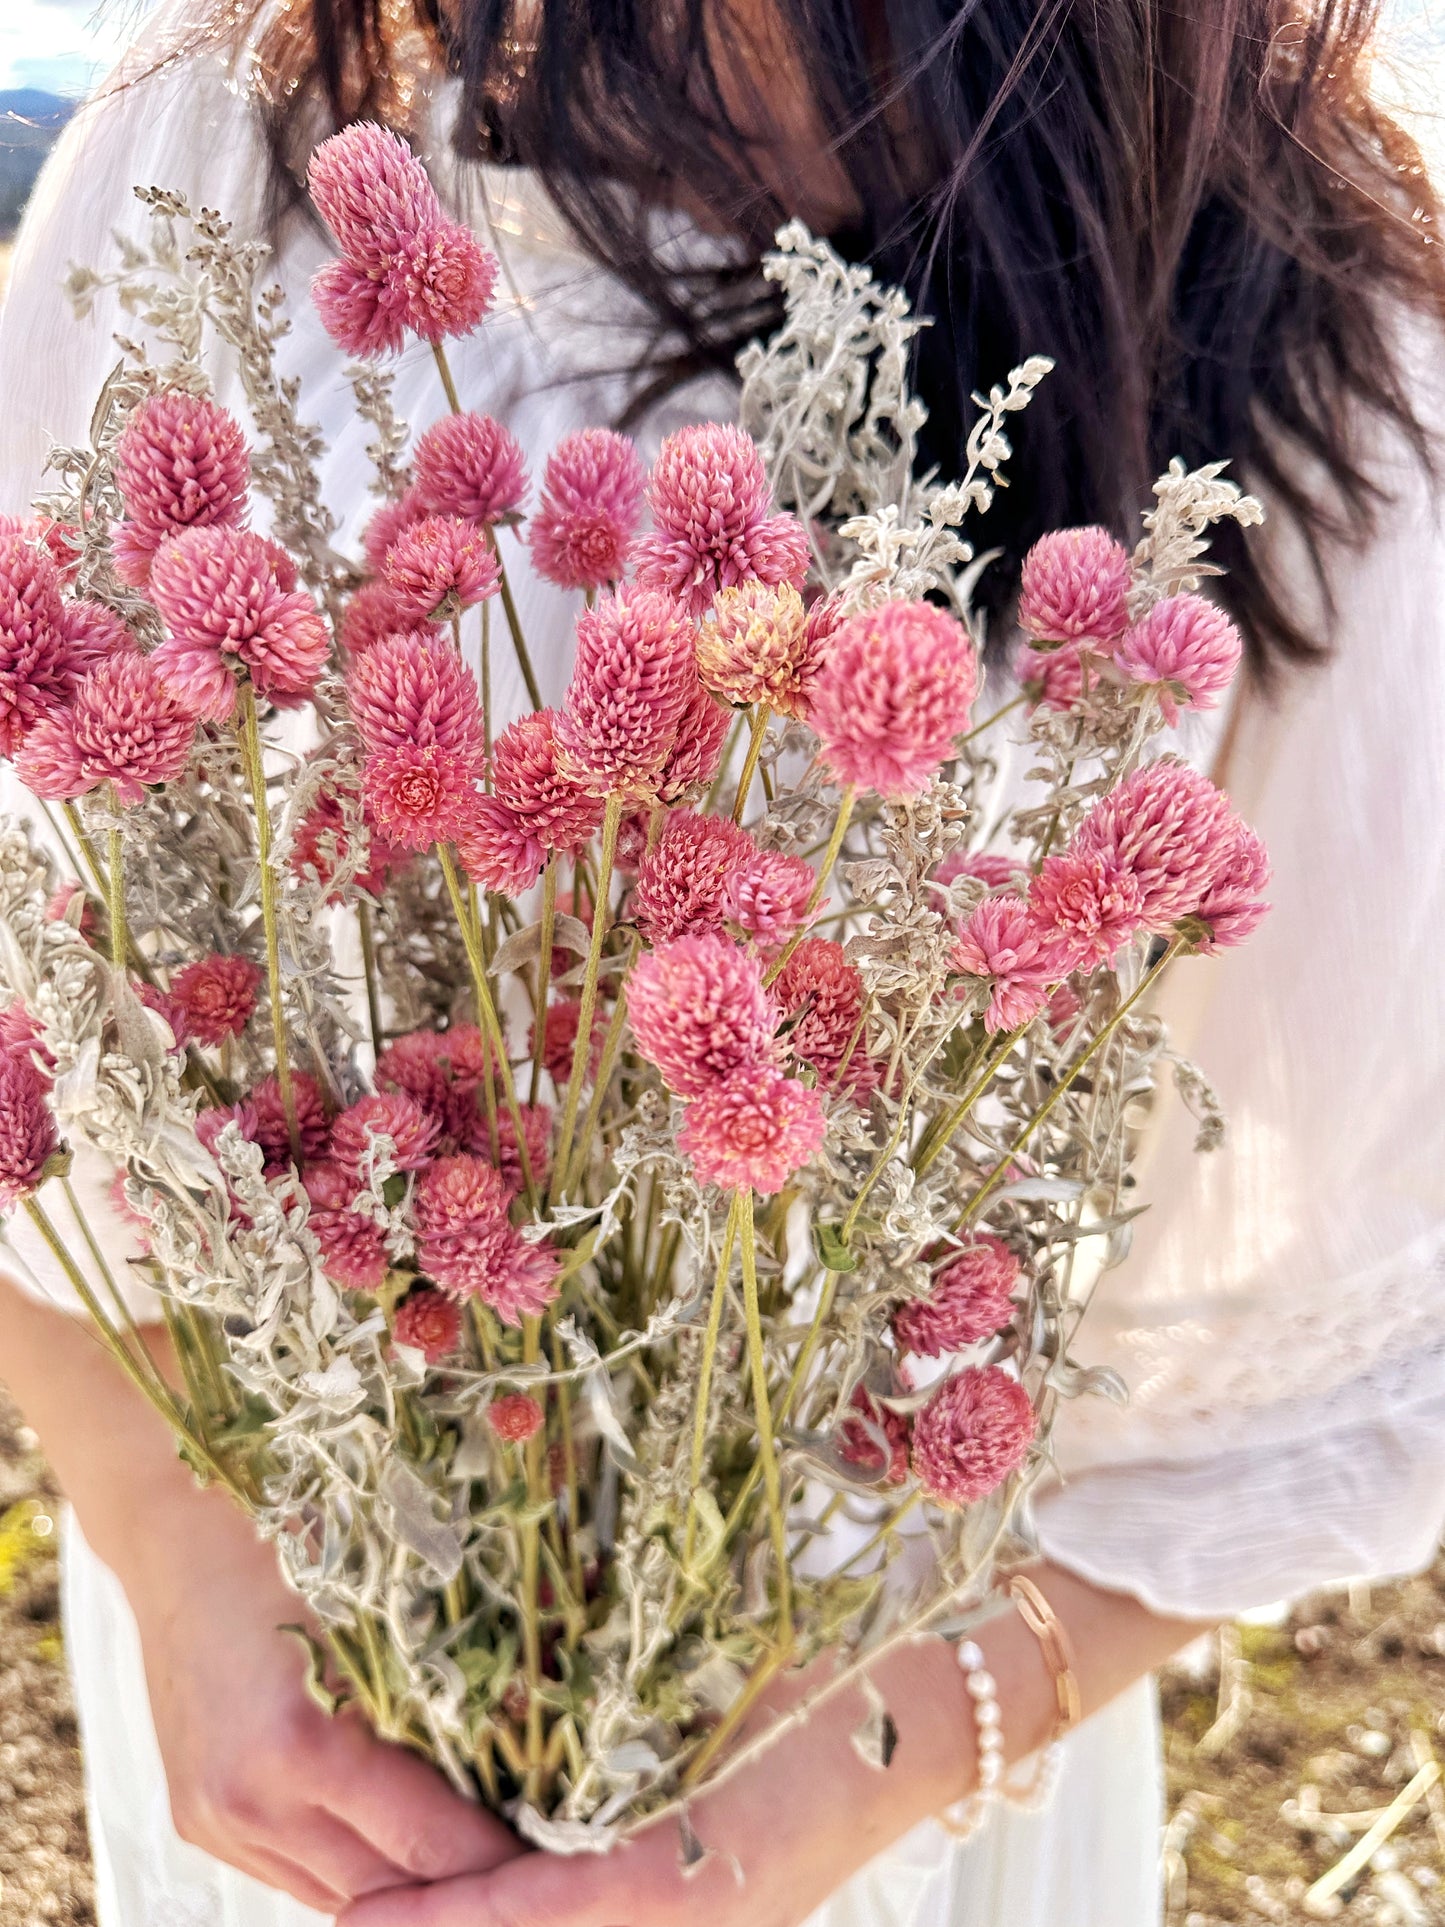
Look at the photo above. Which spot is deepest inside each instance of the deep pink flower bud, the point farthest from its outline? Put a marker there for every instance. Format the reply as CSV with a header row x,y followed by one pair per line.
x,y
387,1114
498,848
466,1242
528,776
390,521
1090,901
875,1437
821,991
123,726
1020,958
634,677
37,670
974,1433
217,995
420,796
682,881
181,463
1171,829
893,693
27,1130
353,1249
372,192
515,1417
439,563
591,505
415,690
753,1131
1232,906
769,898
472,467
699,1012
971,1299
428,1321
697,748
1074,588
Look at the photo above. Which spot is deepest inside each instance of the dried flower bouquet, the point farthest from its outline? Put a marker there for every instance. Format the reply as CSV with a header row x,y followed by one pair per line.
x,y
677,1207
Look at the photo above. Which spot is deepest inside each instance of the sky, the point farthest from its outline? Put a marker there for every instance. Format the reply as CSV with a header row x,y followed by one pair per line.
x,y
62,46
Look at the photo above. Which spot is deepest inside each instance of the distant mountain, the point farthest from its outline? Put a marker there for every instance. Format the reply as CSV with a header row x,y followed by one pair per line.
x,y
29,123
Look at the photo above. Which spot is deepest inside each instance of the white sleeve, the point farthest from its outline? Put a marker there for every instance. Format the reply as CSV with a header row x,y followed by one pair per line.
x,y
1281,1318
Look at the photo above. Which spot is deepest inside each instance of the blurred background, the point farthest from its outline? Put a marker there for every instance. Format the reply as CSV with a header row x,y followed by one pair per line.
x,y
1305,1749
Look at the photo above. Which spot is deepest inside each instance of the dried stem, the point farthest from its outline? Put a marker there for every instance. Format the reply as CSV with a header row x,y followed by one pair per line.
x,y
249,739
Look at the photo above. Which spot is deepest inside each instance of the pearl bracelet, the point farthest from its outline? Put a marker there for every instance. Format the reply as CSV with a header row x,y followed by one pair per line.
x,y
966,1816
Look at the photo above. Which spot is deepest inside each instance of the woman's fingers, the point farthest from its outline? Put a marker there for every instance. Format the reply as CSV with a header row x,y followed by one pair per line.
x,y
404,1810
622,1889
273,1869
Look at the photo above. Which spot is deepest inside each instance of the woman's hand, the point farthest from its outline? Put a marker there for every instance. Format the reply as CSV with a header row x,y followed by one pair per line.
x,y
259,1775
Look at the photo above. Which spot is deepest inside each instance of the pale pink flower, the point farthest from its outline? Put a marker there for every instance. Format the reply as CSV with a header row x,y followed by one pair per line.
x,y
697,748
443,1072
590,508
371,191
181,463
420,796
20,1034
374,612
515,1417
95,633
415,690
1186,647
821,991
498,848
123,726
974,1433
353,1249
1020,959
466,1242
429,1322
893,693
769,898
472,467
440,563
392,1114
217,995
753,646
699,1012
265,1120
230,602
460,1193
390,521
710,502
1074,587
754,1130
536,1135
633,679
1232,908
559,1041
528,776
993,867
27,1130
682,881
1054,678
875,1437
1090,901
1168,826
36,657
971,1299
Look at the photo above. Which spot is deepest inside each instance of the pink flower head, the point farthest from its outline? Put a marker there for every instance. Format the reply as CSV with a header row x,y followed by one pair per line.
x,y
497,848
974,1433
1186,647
95,633
754,1130
353,1249
20,1035
528,776
27,1130
709,498
699,1012
429,1322
415,690
36,658
372,192
993,867
124,726
229,601
1054,678
1171,829
591,504
1020,958
971,1299
697,748
466,1242
440,563
442,1071
754,647
390,521
1232,907
390,1114
217,996
1074,587
420,796
374,612
769,898
875,1437
181,463
1090,902
323,843
536,1135
515,1418
559,1041
893,693
472,467
682,881
263,1119
634,677
821,992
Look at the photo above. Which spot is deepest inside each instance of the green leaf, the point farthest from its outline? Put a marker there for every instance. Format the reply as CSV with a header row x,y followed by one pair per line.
x,y
831,1250
394,1190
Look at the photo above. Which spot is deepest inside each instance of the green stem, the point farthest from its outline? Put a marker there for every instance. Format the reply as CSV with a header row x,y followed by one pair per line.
x,y
115,898
830,857
762,716
989,721
602,1083
532,1454
514,623
485,665
959,1114
444,369
581,1049
249,738
704,1376
767,1453
544,971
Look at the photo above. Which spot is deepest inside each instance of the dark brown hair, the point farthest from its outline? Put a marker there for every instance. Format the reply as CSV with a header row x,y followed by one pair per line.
x,y
1194,206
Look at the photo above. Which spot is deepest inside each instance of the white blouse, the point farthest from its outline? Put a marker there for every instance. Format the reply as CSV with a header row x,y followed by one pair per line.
x,y
1281,1319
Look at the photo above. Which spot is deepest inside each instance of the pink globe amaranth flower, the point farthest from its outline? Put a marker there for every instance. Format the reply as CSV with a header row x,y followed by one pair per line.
x,y
472,467
497,847
123,726
264,1121
710,501
1232,908
770,898
515,1417
353,1249
374,612
443,1072
528,776
466,1242
559,1041
464,1192
1186,647
228,598
1090,902
95,633
329,1187
1057,678
391,1114
390,522
971,1299
893,693
536,1135
420,796
415,690
634,676
1020,958
700,1013
1074,587
993,867
1171,828
37,670
682,880
753,1131
974,1433
322,842
875,1438
20,1035
181,463
429,1322
210,1124
753,646
591,505
372,192
27,1130
821,992
439,563
697,748
217,995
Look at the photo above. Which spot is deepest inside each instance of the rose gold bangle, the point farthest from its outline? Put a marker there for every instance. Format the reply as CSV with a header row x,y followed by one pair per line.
x,y
1058,1654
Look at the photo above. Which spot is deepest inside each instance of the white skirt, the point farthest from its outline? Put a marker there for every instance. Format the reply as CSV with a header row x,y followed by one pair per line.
x,y
1092,1860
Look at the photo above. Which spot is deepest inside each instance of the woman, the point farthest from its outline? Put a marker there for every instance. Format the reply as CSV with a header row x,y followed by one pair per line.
x,y
1228,251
